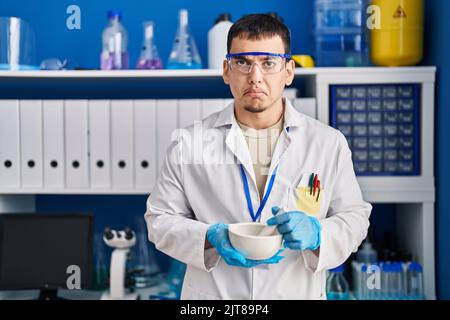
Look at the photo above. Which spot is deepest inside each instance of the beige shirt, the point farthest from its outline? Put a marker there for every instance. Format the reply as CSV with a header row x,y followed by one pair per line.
x,y
261,144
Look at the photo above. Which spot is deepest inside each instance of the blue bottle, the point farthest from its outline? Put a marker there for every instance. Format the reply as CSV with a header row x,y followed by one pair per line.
x,y
337,285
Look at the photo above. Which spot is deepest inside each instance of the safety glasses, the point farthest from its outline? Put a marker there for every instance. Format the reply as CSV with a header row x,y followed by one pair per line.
x,y
267,62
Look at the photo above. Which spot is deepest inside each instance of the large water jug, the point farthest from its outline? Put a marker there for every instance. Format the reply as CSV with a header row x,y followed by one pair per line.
x,y
340,33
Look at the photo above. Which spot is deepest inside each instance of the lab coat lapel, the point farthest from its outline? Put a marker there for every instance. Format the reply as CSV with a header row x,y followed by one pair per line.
x,y
235,141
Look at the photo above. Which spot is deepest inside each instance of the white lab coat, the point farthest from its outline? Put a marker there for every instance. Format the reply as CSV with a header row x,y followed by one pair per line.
x,y
189,196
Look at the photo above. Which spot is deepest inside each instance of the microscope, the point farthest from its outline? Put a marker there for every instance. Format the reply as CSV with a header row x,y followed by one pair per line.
x,y
121,242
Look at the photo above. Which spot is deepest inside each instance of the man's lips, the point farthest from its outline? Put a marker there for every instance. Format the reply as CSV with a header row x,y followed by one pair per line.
x,y
255,93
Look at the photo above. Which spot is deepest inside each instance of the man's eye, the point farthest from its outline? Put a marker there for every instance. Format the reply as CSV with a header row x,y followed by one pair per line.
x,y
269,64
241,62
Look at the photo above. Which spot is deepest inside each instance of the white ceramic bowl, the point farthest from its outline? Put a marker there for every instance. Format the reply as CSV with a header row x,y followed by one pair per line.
x,y
244,238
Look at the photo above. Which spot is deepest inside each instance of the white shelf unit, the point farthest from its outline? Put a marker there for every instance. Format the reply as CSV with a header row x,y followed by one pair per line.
x,y
414,196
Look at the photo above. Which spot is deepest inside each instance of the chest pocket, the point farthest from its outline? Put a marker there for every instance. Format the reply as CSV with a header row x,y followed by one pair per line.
x,y
309,202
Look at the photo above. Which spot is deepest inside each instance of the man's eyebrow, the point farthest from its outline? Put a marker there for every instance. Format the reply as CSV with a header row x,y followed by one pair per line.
x,y
258,58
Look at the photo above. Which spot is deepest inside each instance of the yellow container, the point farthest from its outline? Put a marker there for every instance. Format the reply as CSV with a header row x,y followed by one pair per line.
x,y
399,40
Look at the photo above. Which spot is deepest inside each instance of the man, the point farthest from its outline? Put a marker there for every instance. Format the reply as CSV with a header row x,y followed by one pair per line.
x,y
281,159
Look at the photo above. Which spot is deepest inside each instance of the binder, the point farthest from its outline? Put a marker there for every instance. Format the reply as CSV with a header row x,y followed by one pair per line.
x,y
9,144
99,143
190,111
210,106
53,143
76,143
145,146
167,123
306,106
122,162
31,143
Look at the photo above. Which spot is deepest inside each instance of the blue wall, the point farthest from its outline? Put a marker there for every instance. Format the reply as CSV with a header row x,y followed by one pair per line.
x,y
437,53
48,18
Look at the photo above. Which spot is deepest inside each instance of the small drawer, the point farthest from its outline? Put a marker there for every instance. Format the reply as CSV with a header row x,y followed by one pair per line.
x,y
391,142
359,117
344,105
359,130
343,92
405,142
375,167
374,92
390,105
360,143
405,91
406,155
391,167
406,129
359,105
374,105
405,166
390,92
391,155
407,117
374,117
375,130
390,117
376,155
406,105
375,143
360,155
359,92
344,117
390,129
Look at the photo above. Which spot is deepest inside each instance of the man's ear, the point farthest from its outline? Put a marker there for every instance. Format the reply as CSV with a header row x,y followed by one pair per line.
x,y
290,72
225,74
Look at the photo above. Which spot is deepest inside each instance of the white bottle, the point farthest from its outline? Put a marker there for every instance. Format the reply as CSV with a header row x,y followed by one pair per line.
x,y
367,254
217,41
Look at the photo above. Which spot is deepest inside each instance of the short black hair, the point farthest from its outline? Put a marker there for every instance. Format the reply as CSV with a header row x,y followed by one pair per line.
x,y
259,26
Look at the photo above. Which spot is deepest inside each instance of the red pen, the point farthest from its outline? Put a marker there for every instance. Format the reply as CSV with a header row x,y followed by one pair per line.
x,y
315,185
318,191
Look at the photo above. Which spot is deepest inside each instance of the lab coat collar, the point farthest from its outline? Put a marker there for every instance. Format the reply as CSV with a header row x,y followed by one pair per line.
x,y
292,118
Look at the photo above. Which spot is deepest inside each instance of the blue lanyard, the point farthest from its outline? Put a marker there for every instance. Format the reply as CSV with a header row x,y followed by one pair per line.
x,y
249,199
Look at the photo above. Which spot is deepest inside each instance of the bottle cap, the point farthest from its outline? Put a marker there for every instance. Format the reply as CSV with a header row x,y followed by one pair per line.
x,y
338,269
223,17
114,14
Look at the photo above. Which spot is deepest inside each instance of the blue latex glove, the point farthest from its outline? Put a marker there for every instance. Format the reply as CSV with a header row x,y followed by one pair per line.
x,y
300,231
217,235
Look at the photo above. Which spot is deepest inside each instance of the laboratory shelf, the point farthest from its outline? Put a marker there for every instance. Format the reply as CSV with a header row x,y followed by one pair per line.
x,y
200,73
413,195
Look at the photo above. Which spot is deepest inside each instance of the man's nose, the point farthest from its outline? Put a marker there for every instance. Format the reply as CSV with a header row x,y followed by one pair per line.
x,y
255,75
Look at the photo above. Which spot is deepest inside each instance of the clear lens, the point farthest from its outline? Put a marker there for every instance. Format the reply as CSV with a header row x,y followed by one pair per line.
x,y
267,64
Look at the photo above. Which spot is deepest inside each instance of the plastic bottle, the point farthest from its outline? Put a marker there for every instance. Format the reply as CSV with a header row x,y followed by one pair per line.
x,y
217,41
337,285
340,33
149,58
415,281
184,53
367,254
115,41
